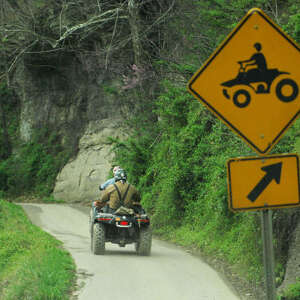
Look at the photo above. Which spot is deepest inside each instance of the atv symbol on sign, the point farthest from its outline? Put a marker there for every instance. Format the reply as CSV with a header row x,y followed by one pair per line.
x,y
259,80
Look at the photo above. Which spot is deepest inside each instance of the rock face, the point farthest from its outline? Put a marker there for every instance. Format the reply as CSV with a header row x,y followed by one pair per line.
x,y
83,107
79,180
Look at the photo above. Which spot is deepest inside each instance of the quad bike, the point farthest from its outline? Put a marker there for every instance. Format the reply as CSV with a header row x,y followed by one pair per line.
x,y
122,228
259,82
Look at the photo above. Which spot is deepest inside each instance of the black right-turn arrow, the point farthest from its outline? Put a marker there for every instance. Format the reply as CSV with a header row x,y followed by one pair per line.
x,y
272,172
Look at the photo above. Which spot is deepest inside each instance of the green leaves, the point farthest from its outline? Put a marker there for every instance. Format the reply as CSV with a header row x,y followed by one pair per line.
x,y
179,161
292,292
35,168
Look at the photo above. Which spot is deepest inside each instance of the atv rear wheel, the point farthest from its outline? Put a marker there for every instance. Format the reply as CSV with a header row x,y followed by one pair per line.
x,y
98,239
91,217
143,246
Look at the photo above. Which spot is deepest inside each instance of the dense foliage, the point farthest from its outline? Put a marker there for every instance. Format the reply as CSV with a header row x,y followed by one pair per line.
x,y
179,163
33,166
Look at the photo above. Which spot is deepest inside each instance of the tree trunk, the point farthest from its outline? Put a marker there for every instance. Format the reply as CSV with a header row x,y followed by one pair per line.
x,y
134,22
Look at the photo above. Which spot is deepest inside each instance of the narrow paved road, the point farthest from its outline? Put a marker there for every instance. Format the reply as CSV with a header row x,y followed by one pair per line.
x,y
168,274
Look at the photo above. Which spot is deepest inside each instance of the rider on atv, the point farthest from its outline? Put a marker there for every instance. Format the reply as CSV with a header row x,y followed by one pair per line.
x,y
118,218
119,194
109,181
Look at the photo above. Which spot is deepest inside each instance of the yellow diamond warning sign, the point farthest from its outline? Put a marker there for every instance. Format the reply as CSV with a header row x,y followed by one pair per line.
x,y
252,81
263,182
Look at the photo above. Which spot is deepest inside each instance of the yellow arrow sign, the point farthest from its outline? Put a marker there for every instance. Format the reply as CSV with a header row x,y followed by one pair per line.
x,y
252,81
263,182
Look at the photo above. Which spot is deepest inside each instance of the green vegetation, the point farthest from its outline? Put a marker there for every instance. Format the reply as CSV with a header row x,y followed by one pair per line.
x,y
179,162
292,292
33,264
180,167
33,167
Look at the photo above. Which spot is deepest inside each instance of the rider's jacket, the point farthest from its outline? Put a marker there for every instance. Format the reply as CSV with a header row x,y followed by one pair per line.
x,y
112,198
106,184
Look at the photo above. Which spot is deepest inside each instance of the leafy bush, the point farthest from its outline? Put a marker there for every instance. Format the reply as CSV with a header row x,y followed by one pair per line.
x,y
35,167
291,293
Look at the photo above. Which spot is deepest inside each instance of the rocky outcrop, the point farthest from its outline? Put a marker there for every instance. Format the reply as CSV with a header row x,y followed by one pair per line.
x,y
64,99
82,105
79,180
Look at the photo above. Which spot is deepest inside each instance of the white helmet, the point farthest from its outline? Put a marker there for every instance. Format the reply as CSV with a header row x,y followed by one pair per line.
x,y
115,169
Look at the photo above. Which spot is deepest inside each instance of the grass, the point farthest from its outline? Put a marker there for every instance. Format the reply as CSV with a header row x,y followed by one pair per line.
x,y
238,244
292,292
33,264
234,250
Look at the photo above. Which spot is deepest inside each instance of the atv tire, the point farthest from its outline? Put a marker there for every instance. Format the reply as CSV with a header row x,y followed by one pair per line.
x,y
91,217
143,246
98,239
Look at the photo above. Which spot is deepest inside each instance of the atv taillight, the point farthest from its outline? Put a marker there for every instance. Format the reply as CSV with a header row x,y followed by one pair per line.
x,y
124,223
143,220
104,219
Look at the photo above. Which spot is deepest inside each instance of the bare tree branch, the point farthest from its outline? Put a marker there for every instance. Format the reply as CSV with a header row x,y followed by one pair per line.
x,y
67,26
19,55
109,46
92,21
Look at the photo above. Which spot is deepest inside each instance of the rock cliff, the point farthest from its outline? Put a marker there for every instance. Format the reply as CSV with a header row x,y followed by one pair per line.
x,y
76,105
80,178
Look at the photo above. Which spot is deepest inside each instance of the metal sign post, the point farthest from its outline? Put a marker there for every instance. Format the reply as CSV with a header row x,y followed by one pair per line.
x,y
268,253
